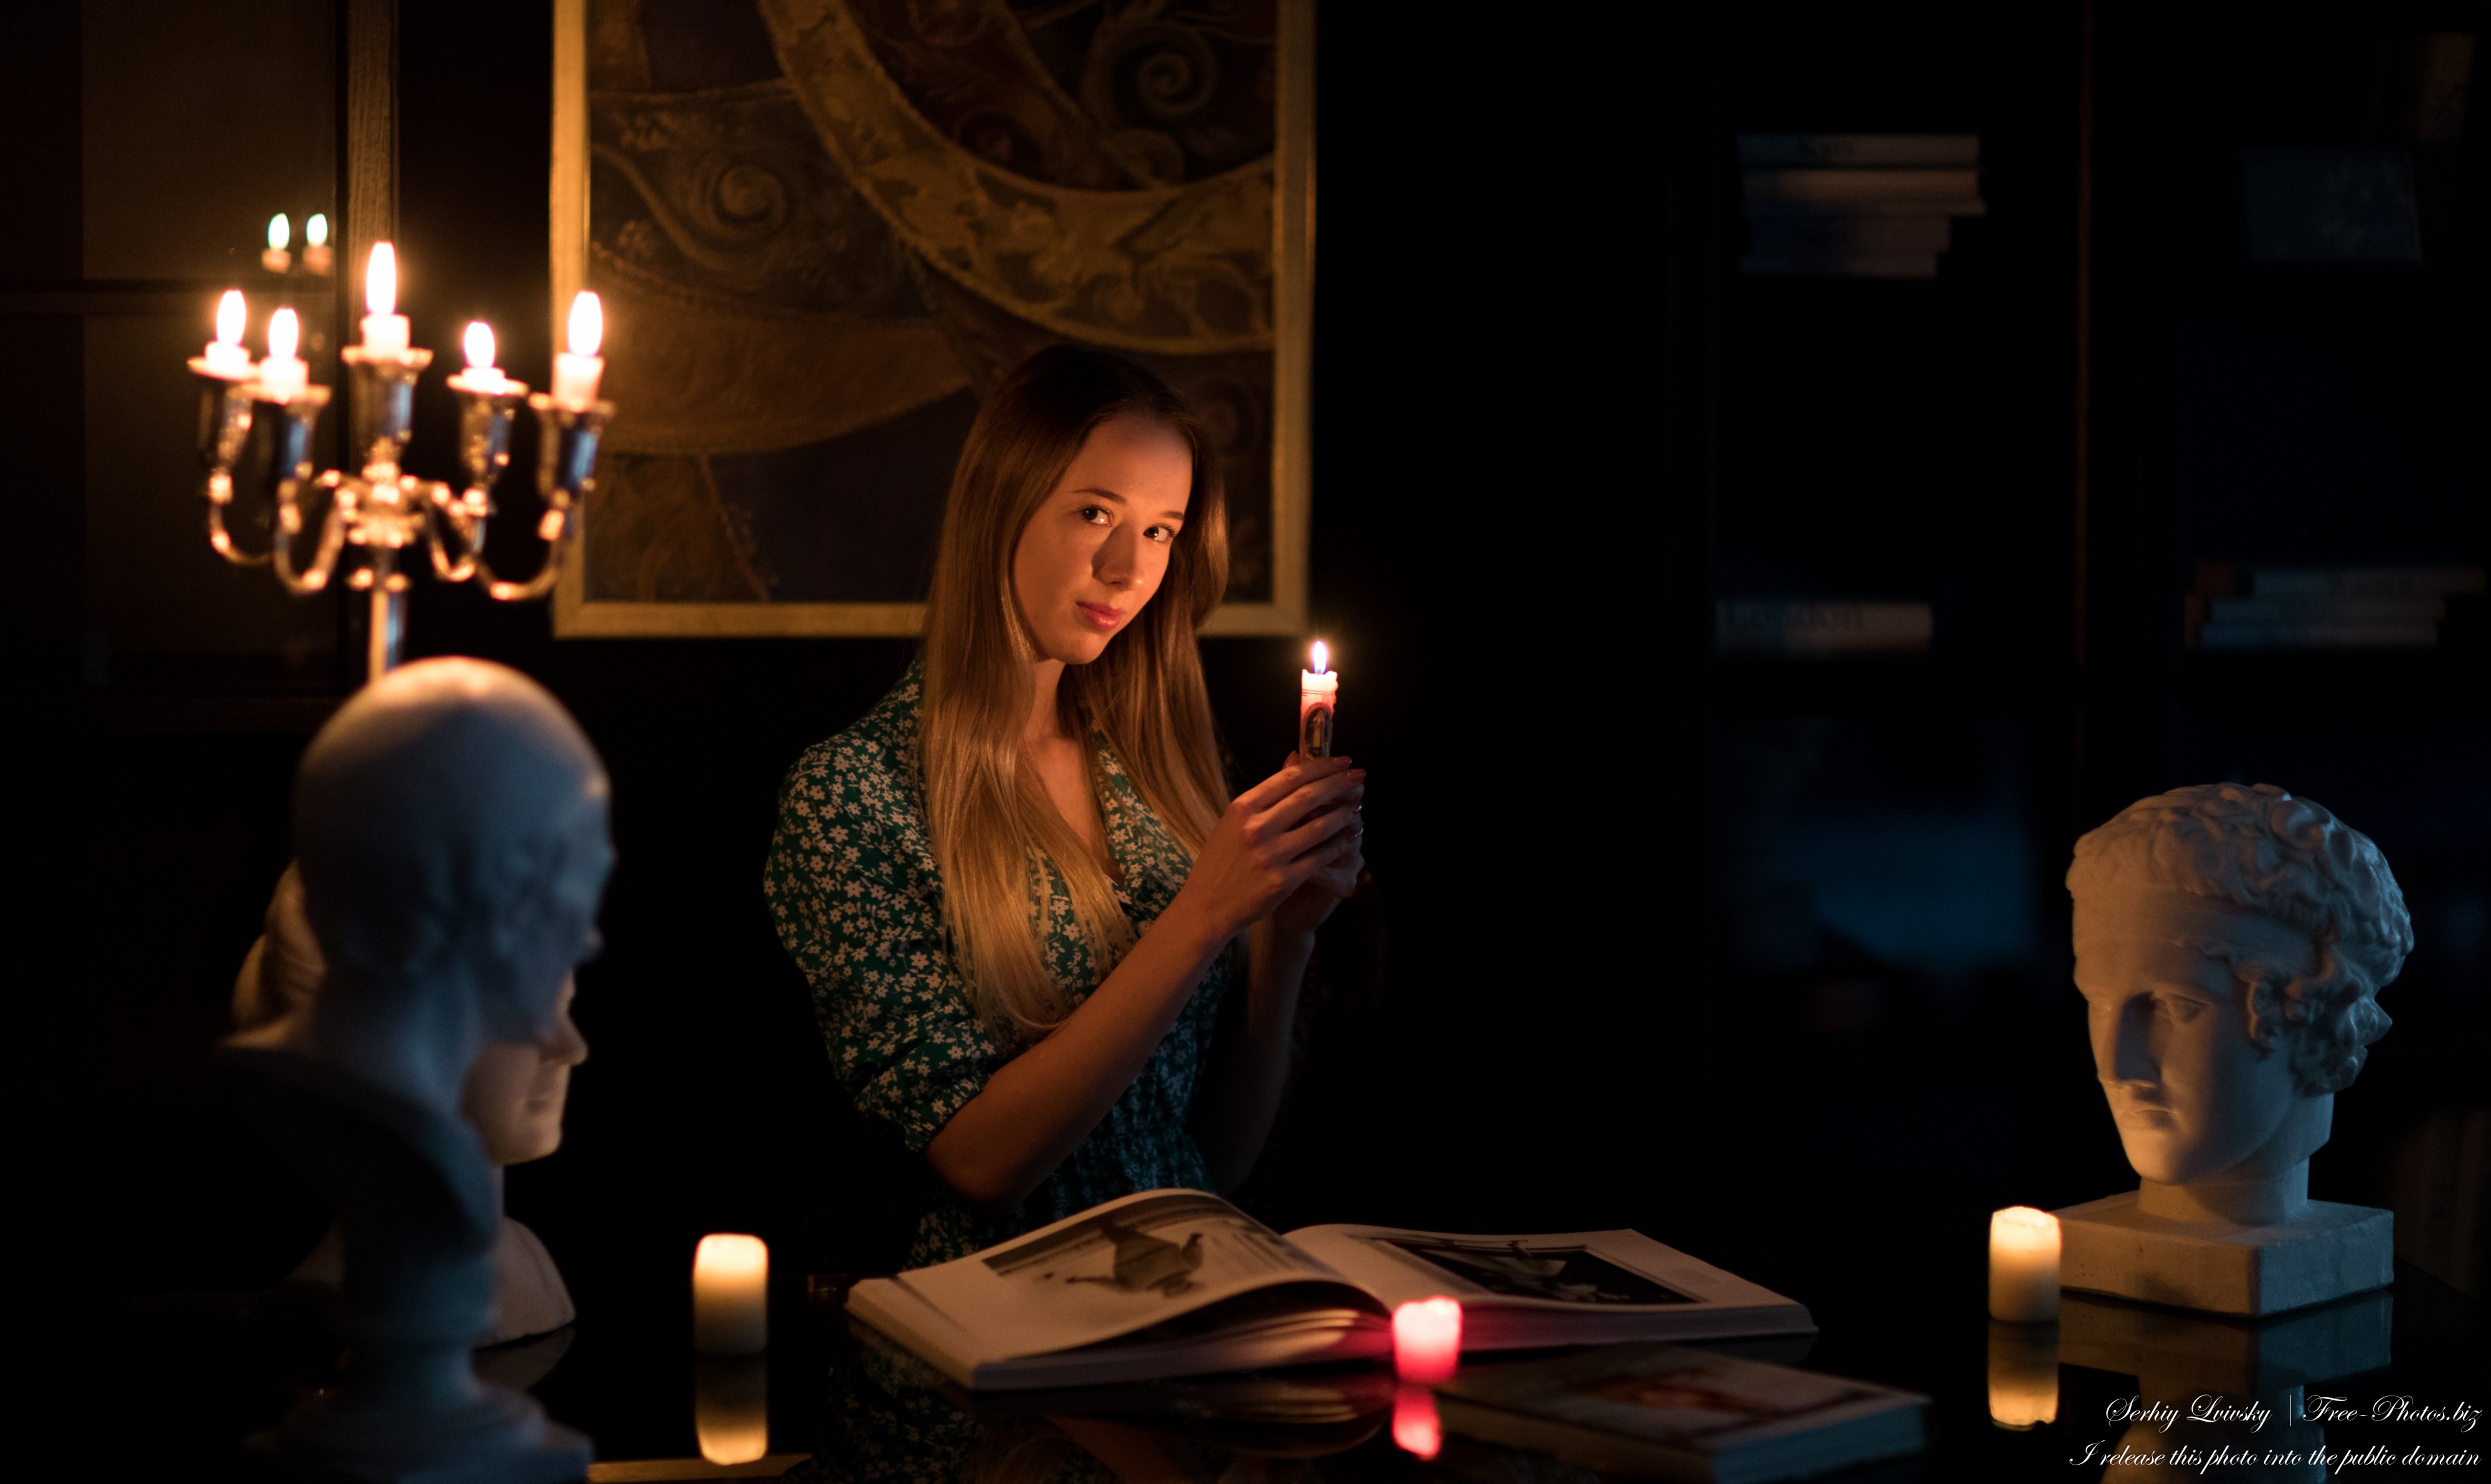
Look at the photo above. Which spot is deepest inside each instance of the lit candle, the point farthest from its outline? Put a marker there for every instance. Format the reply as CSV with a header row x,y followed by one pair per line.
x,y
731,1408
281,375
226,355
576,370
1318,695
315,242
1427,1340
2023,1376
277,259
2024,1265
731,1295
1414,1424
385,332
481,374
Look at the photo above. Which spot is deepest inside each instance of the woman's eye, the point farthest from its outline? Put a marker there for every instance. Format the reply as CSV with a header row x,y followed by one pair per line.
x,y
1094,514
1160,533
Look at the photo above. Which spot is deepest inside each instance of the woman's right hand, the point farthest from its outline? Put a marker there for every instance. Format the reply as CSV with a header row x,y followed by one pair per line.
x,y
1273,839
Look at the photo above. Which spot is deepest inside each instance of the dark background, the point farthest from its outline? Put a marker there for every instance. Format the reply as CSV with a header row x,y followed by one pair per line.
x,y
1768,960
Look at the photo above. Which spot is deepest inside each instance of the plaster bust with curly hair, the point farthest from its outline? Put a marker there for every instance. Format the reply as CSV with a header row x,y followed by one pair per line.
x,y
2231,942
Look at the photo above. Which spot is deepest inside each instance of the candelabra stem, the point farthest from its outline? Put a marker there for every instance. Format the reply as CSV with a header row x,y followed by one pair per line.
x,y
388,613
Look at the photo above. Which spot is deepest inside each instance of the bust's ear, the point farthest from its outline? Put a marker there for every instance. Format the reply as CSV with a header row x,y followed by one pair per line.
x,y
2270,1017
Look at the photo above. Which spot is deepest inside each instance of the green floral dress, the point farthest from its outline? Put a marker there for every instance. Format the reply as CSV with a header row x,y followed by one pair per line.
x,y
857,901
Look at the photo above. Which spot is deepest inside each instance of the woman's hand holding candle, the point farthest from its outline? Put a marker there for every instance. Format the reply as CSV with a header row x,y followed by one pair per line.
x,y
1275,838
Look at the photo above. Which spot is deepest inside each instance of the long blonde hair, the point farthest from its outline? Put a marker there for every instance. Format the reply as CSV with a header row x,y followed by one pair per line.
x,y
994,829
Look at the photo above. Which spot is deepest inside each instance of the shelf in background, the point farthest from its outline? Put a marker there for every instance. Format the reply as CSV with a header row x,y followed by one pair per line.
x,y
1885,686
2394,681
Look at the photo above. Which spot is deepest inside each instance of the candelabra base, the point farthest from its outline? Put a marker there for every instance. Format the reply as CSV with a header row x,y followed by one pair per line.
x,y
554,1455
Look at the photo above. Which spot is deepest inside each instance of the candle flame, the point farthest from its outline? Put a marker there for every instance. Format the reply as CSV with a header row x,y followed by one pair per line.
x,y
480,345
316,230
587,324
229,317
283,334
380,280
1322,653
279,233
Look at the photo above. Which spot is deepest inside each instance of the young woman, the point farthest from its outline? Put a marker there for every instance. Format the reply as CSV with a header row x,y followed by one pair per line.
x,y
1045,943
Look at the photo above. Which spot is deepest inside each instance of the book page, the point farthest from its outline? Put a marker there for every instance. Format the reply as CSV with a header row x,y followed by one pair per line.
x,y
1560,1270
1119,1268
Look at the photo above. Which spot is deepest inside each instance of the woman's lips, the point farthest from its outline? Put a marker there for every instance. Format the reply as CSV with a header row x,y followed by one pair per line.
x,y
1101,617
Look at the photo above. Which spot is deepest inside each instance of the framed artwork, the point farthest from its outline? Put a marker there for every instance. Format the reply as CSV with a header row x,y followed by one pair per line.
x,y
822,228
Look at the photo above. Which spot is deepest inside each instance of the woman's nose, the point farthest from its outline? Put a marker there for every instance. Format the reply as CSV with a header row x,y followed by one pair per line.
x,y
1115,562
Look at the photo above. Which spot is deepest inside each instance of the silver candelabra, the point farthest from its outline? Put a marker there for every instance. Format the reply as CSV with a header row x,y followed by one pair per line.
x,y
384,510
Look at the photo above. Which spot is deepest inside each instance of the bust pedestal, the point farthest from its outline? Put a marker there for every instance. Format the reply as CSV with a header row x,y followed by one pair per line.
x,y
2325,1251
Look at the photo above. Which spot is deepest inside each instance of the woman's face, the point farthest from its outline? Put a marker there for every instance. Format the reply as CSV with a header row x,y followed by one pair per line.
x,y
1098,548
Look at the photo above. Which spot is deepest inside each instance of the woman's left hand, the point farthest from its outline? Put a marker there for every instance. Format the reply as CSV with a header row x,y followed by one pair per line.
x,y
1306,908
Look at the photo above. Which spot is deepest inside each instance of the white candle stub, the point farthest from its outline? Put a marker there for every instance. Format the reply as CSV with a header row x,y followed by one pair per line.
x,y
315,242
731,1295
282,374
385,332
277,259
731,1408
2023,1376
1318,700
226,355
481,374
2024,1265
576,370
1427,1340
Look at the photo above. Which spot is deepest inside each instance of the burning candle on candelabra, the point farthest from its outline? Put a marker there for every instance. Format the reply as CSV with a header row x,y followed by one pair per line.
x,y
1318,695
282,375
226,355
280,232
385,332
315,244
575,371
482,375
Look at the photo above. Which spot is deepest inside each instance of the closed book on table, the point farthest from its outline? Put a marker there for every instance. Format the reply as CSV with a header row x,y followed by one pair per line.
x,y
1674,1413
1180,1283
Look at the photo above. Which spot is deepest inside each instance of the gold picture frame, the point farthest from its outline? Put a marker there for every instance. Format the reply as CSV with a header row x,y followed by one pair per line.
x,y
1279,606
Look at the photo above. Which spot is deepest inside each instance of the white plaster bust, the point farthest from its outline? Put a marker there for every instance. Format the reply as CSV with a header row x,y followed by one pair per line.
x,y
451,832
513,1098
2231,942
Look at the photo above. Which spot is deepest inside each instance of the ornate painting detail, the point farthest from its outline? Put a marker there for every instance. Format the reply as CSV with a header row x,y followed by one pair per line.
x,y
821,226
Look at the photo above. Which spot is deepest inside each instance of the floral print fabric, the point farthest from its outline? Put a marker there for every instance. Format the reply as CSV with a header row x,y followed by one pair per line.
x,y
858,902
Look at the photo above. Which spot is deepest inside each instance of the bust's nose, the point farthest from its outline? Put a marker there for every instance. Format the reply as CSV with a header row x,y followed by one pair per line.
x,y
2123,1043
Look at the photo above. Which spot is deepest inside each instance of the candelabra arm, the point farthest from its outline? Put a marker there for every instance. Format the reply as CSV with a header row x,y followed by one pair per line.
x,y
566,472
333,533
220,495
225,424
465,516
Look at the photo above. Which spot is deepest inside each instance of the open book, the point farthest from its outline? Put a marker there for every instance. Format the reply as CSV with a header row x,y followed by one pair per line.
x,y
1182,1283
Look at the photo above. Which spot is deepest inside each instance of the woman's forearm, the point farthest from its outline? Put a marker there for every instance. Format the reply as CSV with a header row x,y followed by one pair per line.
x,y
1038,1106
1249,1066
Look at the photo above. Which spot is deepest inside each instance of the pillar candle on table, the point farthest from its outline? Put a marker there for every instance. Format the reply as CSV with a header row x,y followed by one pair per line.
x,y
282,374
226,355
280,232
731,1295
731,1408
385,332
1318,696
1427,1340
315,244
575,371
2024,1265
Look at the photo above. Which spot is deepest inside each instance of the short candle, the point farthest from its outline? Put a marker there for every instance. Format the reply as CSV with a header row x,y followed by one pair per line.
x,y
226,355
731,1409
315,242
2023,1376
2024,1265
1318,698
1415,1427
385,332
282,374
481,374
575,371
277,259
731,1295
1427,1340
